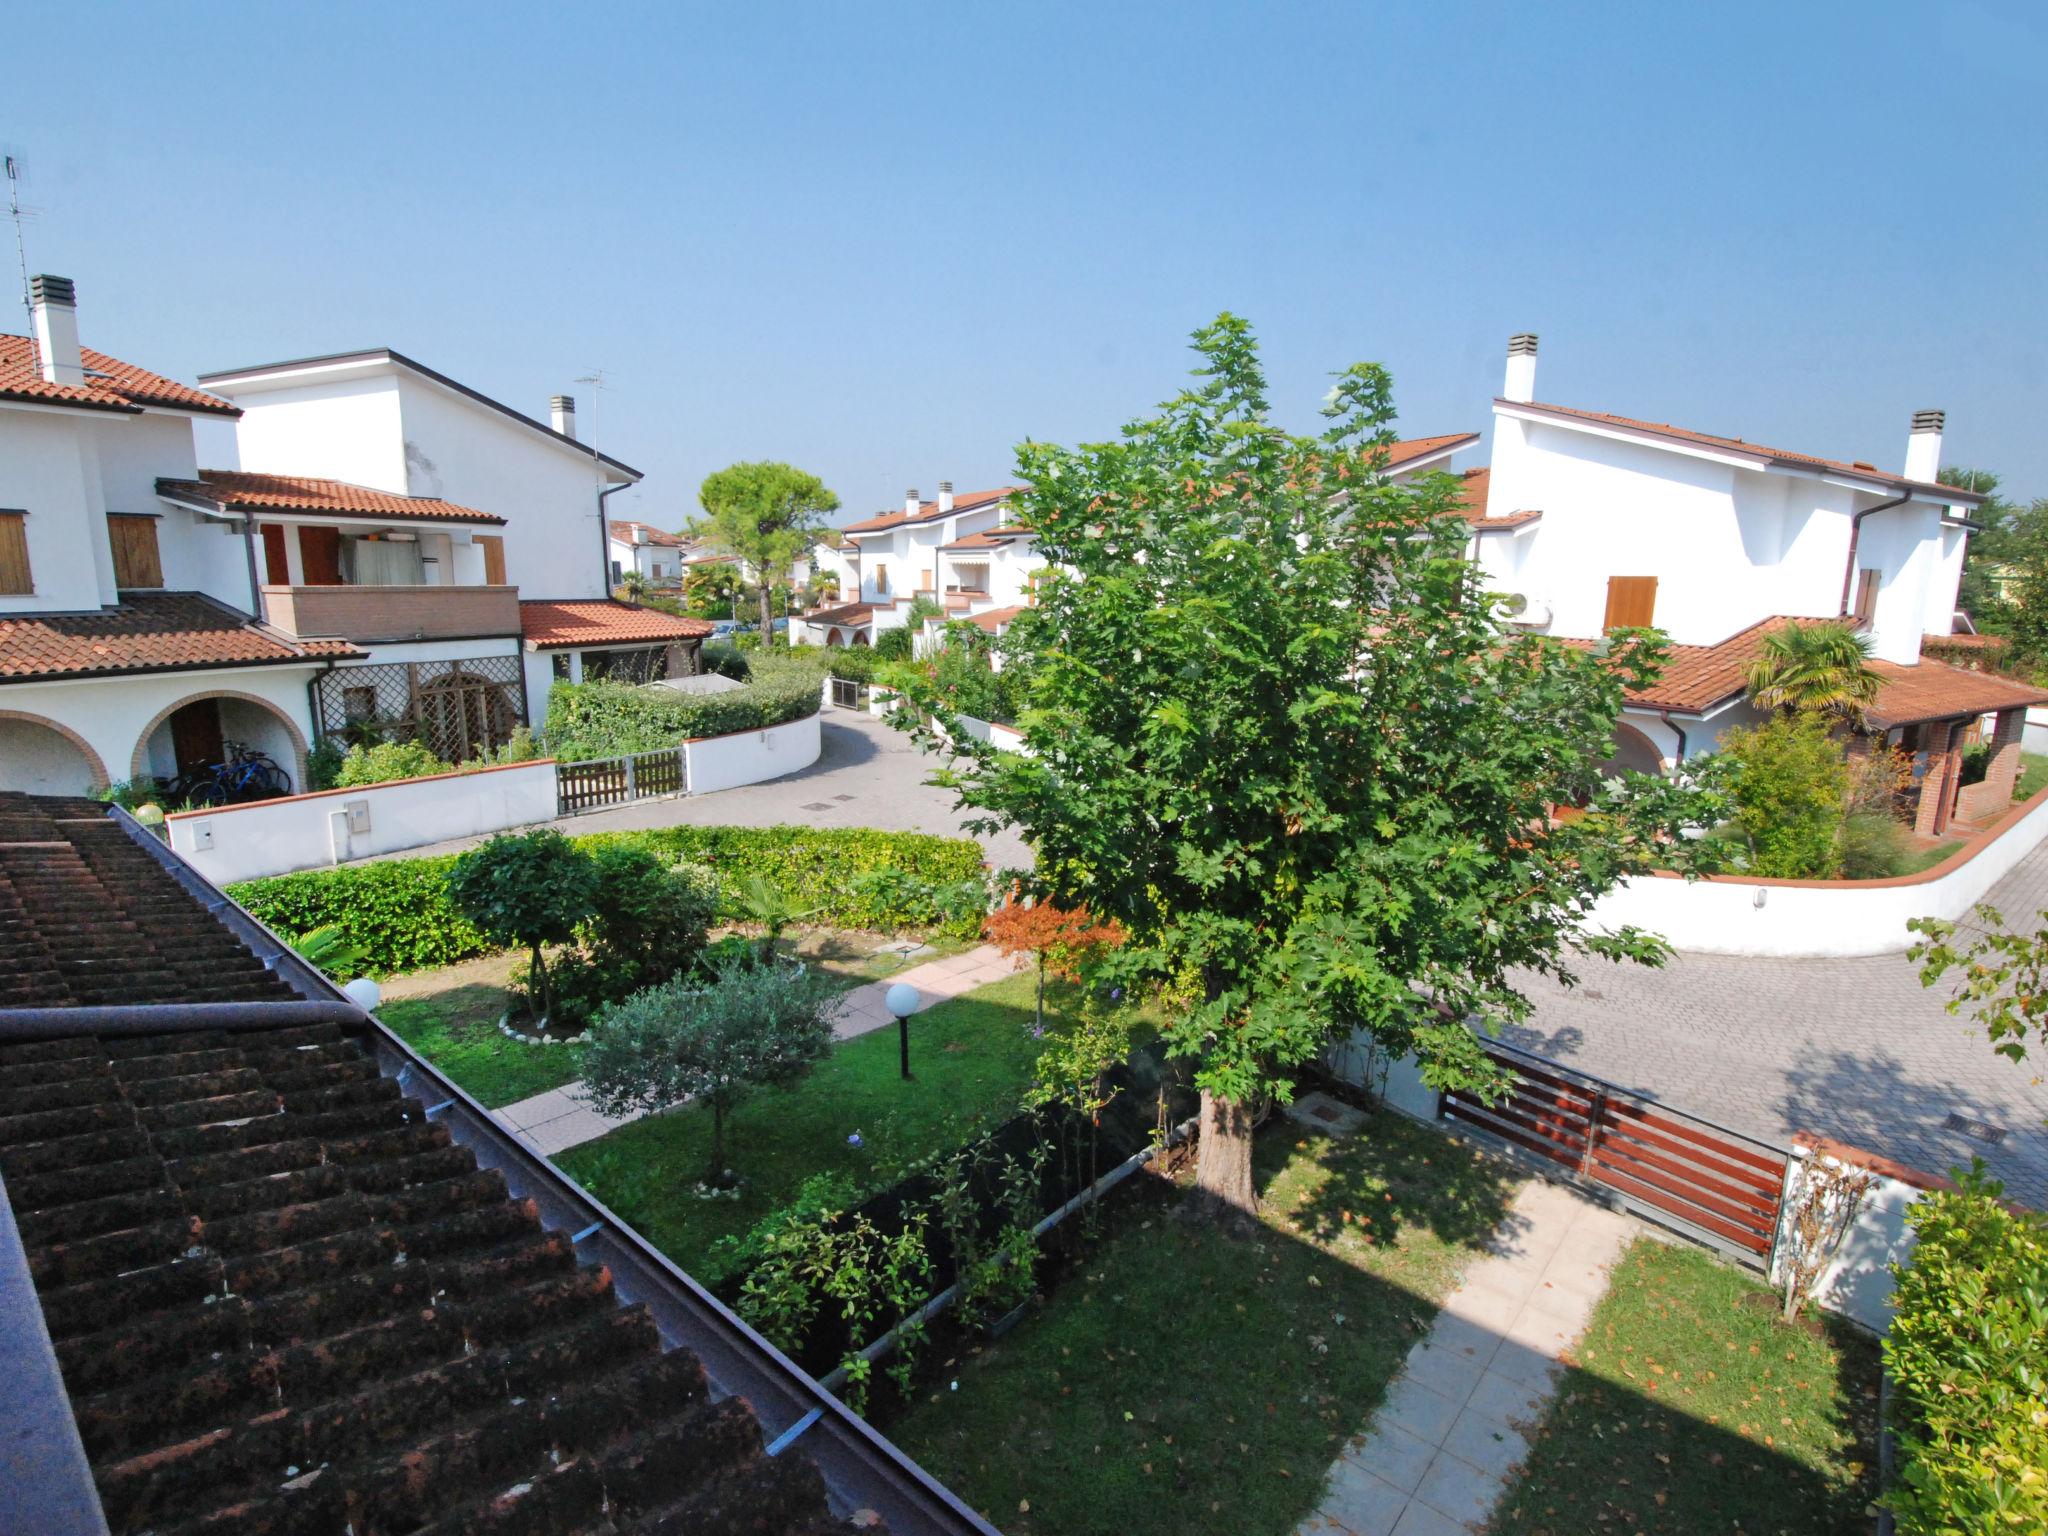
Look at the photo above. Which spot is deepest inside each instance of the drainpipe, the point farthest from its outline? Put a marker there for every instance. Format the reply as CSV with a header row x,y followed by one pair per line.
x,y
249,551
1855,534
1679,731
604,533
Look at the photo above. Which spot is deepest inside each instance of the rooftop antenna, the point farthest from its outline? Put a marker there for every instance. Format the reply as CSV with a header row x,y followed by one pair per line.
x,y
21,253
595,379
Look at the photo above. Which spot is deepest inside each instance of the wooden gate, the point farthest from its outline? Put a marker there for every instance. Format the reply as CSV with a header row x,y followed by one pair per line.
x,y
615,780
1672,1166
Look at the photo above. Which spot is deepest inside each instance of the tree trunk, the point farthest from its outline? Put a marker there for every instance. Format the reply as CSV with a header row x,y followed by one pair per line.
x,y
717,1142
537,987
1039,1017
767,617
1223,1165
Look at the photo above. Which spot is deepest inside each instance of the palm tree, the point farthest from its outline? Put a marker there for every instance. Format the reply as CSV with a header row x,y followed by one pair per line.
x,y
1823,668
633,586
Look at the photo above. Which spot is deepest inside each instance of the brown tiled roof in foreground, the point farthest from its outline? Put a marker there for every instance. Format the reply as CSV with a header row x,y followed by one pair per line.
x,y
546,624
237,490
87,920
147,632
110,384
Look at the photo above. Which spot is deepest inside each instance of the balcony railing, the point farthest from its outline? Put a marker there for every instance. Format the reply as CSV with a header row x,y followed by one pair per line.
x,y
372,614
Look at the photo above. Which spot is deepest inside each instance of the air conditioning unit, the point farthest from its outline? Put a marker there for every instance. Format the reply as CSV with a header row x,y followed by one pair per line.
x,y
1525,609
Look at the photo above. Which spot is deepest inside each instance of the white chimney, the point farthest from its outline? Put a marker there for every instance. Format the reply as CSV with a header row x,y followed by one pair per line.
x,y
562,414
55,303
1521,380
945,495
639,533
911,502
1923,447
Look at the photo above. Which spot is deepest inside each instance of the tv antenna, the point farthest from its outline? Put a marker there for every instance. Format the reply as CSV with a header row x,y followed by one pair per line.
x,y
14,211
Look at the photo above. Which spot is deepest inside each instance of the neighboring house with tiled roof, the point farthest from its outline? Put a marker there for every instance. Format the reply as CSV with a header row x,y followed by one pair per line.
x,y
357,573
264,1269
1587,521
657,555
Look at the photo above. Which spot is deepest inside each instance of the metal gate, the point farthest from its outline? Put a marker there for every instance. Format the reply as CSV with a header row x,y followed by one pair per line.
x,y
1674,1167
848,694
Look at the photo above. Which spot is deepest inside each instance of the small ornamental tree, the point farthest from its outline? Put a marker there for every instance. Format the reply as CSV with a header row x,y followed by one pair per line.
x,y
531,891
1275,731
1062,940
753,1027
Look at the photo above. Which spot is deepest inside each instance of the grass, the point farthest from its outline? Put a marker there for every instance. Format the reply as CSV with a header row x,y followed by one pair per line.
x,y
1690,1407
852,958
2033,775
1184,1381
972,1059
1927,858
451,1017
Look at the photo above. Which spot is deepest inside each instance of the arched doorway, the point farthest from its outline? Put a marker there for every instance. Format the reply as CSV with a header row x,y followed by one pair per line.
x,y
183,734
832,640
1632,751
860,637
40,757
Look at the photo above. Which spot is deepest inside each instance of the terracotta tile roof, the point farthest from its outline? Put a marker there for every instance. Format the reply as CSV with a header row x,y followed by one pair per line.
x,y
988,538
148,632
546,624
1472,504
845,613
110,384
1700,676
964,501
1410,449
1776,456
624,529
996,618
86,920
1966,642
236,490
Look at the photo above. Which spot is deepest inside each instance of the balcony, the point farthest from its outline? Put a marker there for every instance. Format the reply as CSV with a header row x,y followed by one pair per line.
x,y
372,615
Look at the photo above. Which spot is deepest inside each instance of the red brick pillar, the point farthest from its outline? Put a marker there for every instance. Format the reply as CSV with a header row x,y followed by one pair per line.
x,y
2003,771
1931,815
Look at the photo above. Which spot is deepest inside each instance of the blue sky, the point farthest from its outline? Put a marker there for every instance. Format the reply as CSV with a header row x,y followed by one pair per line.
x,y
886,242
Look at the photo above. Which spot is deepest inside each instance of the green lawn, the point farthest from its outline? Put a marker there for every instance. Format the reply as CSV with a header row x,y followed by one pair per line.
x,y
2033,775
1927,858
1690,1407
455,1026
1180,1381
972,1059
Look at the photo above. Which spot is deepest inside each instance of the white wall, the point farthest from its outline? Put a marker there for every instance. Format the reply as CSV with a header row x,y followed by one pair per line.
x,y
38,761
1857,1283
1722,915
748,757
49,469
344,430
273,837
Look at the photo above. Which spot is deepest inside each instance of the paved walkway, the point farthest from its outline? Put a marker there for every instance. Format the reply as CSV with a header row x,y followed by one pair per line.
x,y
867,775
1453,1426
1855,1049
561,1118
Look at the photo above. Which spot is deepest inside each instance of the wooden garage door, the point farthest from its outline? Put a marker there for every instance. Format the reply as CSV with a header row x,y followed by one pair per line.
x,y
1631,602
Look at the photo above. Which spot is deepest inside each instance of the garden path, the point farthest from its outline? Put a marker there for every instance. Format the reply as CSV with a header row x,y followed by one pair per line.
x,y
1452,1427
561,1118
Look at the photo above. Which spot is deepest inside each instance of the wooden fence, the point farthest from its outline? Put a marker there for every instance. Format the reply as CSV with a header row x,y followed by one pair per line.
x,y
1673,1167
615,780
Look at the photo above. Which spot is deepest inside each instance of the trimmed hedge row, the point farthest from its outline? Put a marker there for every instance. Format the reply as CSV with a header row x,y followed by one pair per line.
x,y
398,910
607,719
1968,1352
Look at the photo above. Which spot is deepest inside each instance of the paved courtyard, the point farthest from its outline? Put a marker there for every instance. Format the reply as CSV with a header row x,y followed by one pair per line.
x,y
1855,1049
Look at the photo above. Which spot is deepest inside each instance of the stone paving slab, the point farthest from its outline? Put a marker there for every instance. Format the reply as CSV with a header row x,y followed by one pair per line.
x,y
1451,1431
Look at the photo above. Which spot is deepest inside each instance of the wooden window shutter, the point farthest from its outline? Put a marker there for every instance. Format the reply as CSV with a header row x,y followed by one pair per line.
x,y
1631,602
493,546
15,579
136,561
277,570
320,555
1866,595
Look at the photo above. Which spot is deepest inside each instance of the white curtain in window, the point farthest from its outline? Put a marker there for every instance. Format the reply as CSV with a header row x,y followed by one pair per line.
x,y
380,563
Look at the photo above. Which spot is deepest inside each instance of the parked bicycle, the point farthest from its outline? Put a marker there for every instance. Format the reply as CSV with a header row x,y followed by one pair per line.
x,y
246,775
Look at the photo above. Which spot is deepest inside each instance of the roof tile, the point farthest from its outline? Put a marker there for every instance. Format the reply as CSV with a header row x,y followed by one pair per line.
x,y
110,384
148,632
238,490
547,624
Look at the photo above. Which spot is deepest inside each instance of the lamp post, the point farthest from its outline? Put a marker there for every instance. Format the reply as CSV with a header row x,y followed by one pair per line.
x,y
901,1000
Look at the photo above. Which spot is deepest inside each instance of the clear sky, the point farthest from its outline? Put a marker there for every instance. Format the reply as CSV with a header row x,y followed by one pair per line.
x,y
887,242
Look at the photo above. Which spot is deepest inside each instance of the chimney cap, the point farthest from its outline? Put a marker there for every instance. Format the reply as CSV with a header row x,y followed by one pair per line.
x,y
1929,421
45,289
911,494
1522,342
562,403
945,486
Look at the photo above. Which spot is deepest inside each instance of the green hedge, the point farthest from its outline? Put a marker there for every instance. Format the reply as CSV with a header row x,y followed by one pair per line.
x,y
607,719
1968,1355
398,909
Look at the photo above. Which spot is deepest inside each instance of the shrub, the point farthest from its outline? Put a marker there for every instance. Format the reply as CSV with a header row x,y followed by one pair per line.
x,y
532,890
647,924
1789,784
385,762
323,763
724,659
131,794
1871,846
894,644
1968,1352
522,746
607,719
399,912
855,663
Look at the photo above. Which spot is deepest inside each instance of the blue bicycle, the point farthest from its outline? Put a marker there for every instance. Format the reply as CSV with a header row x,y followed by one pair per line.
x,y
246,775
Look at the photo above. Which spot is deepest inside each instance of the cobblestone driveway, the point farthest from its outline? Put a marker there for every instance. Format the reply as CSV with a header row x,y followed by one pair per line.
x,y
1854,1049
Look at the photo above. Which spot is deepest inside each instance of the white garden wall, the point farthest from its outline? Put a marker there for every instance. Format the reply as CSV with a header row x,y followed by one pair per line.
x,y
1857,1283
271,837
748,757
1728,915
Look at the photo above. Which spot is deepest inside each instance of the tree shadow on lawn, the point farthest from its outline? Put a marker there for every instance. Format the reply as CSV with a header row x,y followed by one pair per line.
x,y
1181,1380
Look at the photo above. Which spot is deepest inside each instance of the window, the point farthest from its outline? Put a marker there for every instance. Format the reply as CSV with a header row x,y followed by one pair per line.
x,y
1631,602
618,574
881,577
561,666
1866,595
15,580
370,562
133,536
358,704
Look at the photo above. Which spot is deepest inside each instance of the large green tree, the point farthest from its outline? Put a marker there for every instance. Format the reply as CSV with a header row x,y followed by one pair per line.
x,y
767,514
1277,733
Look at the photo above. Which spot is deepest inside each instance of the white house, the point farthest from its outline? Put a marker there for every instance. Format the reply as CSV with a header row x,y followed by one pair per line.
x,y
657,556
1589,522
151,611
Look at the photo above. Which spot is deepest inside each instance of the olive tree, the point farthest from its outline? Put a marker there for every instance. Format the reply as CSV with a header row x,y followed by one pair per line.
x,y
1277,734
